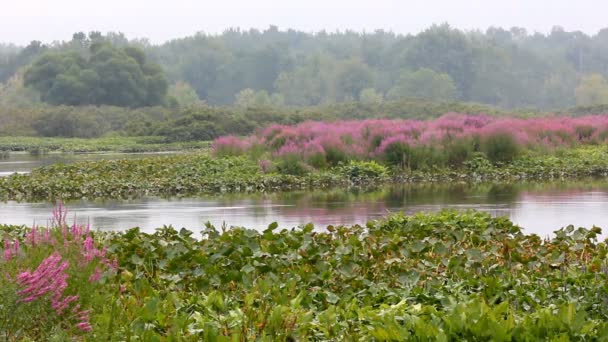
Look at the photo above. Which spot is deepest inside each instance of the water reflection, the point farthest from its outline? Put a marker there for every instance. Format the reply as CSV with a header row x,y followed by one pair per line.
x,y
539,208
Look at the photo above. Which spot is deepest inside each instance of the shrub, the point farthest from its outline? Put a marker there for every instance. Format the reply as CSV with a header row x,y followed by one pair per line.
x,y
291,164
398,154
363,170
457,152
335,155
229,146
317,160
404,156
500,148
584,132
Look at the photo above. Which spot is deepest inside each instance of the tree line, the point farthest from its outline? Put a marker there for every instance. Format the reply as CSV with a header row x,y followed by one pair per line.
x,y
507,68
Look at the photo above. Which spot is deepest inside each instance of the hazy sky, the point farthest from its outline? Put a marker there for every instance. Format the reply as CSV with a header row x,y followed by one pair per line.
x,y
24,20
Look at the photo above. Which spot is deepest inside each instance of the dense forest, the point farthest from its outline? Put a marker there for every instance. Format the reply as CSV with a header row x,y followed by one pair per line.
x,y
295,73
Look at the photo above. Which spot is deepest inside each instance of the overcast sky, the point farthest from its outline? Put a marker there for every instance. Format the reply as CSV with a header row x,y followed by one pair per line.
x,y
24,20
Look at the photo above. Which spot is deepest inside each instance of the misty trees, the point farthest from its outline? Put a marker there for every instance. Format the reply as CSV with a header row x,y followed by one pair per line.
x,y
425,84
351,78
506,68
592,90
184,95
13,58
445,50
110,76
370,96
309,83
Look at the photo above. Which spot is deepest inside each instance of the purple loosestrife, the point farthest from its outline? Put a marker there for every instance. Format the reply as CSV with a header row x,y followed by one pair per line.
x,y
7,250
367,138
96,275
50,279
265,165
10,249
59,215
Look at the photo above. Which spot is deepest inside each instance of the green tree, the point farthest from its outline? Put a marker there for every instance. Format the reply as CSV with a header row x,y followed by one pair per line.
x,y
14,94
248,98
111,76
184,95
559,89
592,90
352,77
424,84
445,50
371,96
310,83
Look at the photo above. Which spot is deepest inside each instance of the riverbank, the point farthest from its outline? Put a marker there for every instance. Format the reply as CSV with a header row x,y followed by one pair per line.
x,y
40,145
442,276
190,174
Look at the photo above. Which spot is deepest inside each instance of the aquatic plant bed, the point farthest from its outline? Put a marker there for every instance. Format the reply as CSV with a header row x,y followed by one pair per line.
x,y
446,276
38,145
197,173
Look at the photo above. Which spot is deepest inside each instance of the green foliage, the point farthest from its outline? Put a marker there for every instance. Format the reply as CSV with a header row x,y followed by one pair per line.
x,y
204,122
32,310
424,84
184,95
370,96
406,157
501,147
446,276
592,91
446,51
359,171
247,98
291,164
197,173
105,144
458,152
110,76
507,68
68,122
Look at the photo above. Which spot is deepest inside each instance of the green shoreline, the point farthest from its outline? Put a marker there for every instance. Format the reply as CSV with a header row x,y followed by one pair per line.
x,y
189,174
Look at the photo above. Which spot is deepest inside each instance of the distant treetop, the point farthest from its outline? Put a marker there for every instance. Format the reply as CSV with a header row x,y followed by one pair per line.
x,y
100,74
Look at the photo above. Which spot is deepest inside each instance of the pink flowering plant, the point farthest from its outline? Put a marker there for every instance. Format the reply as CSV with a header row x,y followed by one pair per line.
x,y
49,277
446,141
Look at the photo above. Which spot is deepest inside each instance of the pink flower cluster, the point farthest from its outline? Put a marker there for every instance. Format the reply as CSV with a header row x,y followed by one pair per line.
x,y
10,249
231,145
370,138
39,236
50,278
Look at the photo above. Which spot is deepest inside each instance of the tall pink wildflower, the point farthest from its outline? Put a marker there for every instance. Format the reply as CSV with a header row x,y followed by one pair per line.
x,y
50,279
365,138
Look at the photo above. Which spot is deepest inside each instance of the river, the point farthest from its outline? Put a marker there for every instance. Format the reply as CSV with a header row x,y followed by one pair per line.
x,y
539,208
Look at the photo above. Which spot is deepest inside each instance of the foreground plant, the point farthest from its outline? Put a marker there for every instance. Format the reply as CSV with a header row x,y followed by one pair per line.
x,y
447,276
49,275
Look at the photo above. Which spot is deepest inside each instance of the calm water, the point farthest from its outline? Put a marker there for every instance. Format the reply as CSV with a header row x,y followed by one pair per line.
x,y
24,162
539,208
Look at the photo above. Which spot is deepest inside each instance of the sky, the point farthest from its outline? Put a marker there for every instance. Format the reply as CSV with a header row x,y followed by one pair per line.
x,y
161,20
